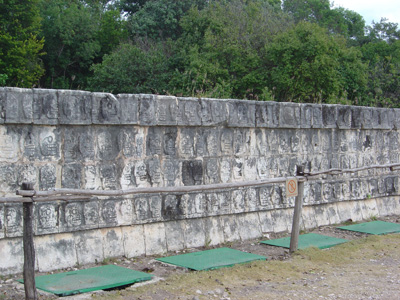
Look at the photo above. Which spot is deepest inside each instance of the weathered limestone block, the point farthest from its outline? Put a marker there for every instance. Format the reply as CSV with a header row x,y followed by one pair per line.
x,y
10,151
267,114
195,235
8,180
396,118
79,144
213,112
171,171
2,225
192,172
369,209
167,110
172,207
195,205
19,106
250,168
46,218
88,246
189,112
72,216
12,249
154,141
333,212
45,107
218,203
289,115
129,105
242,142
55,250
307,219
147,208
47,177
109,176
75,107
133,239
187,142
282,220
329,116
113,245
72,176
226,139
230,228
344,117
241,113
170,141
108,213
91,214
13,219
107,143
174,232
147,110
207,142
3,99
311,116
266,222
322,215
155,239
211,171
214,231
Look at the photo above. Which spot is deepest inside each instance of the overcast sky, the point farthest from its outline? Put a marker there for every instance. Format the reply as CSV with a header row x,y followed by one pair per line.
x,y
373,10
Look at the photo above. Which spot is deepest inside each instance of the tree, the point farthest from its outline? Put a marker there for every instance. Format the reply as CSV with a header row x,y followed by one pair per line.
x,y
133,69
159,19
307,10
77,33
20,48
337,20
221,48
306,64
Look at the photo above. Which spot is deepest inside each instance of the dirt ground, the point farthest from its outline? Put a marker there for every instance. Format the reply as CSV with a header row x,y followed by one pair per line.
x,y
366,268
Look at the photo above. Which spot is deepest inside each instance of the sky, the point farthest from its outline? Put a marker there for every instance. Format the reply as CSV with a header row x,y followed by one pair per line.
x,y
373,10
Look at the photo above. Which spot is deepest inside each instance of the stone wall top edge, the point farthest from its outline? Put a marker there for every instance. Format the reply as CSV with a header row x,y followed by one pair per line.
x,y
266,114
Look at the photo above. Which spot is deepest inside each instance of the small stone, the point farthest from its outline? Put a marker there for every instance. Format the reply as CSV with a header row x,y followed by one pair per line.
x,y
196,298
218,291
199,292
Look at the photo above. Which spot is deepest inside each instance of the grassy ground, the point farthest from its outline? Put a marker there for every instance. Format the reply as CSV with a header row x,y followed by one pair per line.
x,y
366,268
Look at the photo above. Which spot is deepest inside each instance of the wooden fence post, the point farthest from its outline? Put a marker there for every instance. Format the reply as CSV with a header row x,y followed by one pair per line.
x,y
29,248
294,239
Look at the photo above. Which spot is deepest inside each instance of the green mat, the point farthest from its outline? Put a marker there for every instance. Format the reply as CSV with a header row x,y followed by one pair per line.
x,y
211,259
93,279
374,227
307,240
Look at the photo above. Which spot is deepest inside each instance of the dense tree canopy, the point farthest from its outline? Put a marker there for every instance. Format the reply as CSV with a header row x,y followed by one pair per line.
x,y
289,50
20,47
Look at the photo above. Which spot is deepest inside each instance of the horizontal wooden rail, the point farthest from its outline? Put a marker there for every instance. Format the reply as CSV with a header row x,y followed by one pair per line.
x,y
152,190
64,194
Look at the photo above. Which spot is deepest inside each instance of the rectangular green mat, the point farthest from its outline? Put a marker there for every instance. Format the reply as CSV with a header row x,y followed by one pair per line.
x,y
307,240
93,279
211,259
374,227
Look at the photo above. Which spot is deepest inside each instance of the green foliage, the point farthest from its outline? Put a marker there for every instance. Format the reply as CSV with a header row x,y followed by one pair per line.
x,y
20,48
159,19
3,79
309,65
131,69
223,44
77,34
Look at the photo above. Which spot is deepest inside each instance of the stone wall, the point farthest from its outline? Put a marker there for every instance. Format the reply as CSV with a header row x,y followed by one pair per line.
x,y
76,139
